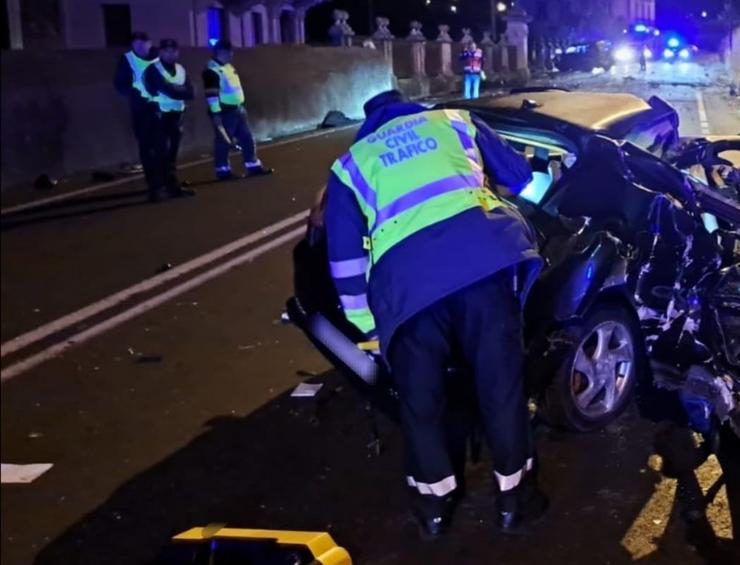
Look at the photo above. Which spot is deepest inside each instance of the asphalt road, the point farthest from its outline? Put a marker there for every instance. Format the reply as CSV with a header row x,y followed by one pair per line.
x,y
181,416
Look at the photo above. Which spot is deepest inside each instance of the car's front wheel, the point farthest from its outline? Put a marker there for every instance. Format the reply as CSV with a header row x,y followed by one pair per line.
x,y
597,378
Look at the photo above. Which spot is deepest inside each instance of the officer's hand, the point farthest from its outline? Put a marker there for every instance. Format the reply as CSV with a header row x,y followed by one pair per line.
x,y
217,121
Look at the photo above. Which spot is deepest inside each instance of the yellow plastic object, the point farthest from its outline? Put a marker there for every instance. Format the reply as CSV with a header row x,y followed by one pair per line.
x,y
373,345
321,545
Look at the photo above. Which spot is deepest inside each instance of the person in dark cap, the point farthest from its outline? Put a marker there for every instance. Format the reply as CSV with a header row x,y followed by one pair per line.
x,y
129,82
167,82
225,99
427,259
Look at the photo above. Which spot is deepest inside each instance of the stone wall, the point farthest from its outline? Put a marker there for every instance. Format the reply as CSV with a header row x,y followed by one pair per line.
x,y
60,112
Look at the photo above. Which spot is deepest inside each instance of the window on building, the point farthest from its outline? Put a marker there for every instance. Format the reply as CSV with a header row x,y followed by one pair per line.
x,y
4,26
217,24
257,27
287,26
117,23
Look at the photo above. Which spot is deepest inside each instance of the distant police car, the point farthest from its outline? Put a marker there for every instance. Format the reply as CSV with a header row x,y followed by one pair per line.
x,y
676,49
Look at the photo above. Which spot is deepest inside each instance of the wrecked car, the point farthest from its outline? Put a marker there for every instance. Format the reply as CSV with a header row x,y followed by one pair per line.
x,y
640,232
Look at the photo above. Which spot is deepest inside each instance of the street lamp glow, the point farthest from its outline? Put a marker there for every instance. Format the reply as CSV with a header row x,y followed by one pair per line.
x,y
704,14
501,6
673,42
647,53
453,9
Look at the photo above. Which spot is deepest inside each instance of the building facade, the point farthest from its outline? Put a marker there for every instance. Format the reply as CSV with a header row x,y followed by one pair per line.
x,y
81,24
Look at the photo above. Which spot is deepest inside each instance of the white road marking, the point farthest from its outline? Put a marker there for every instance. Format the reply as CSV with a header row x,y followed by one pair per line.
x,y
64,322
703,118
118,182
88,334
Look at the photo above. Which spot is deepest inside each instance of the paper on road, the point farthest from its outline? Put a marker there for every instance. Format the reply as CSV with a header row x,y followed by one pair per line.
x,y
306,390
23,473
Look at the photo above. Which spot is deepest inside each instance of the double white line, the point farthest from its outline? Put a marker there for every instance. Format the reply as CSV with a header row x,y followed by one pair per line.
x,y
27,339
703,118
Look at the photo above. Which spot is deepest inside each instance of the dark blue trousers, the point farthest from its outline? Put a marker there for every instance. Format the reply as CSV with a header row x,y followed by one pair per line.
x,y
237,128
482,326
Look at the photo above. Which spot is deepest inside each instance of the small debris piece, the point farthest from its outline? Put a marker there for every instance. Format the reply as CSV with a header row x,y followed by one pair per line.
x,y
306,390
35,435
165,267
149,359
15,474
245,347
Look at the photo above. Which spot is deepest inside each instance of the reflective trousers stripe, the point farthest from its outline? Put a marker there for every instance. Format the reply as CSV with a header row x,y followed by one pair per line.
x,y
508,482
440,488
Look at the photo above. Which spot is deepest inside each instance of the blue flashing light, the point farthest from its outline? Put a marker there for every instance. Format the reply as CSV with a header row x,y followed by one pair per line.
x,y
656,33
673,42
641,28
571,49
668,54
212,41
684,54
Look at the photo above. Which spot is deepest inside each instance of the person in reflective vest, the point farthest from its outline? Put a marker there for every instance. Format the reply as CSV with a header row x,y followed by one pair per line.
x,y
129,82
167,82
428,259
225,99
472,58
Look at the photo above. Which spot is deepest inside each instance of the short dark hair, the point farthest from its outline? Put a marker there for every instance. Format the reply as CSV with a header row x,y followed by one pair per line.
x,y
168,44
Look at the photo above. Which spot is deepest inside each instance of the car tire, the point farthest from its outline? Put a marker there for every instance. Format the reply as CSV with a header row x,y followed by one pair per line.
x,y
608,354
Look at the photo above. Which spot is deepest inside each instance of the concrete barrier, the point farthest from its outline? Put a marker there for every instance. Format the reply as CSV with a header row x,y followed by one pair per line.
x,y
60,113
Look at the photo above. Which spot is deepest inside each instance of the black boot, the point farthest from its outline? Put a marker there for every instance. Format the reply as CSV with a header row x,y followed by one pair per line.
x,y
433,516
517,509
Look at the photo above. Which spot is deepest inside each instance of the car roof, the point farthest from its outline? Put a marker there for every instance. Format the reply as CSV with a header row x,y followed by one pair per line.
x,y
594,111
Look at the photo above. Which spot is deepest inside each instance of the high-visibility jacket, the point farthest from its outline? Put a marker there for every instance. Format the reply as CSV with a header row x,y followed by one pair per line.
x,y
138,66
413,172
167,104
473,61
230,87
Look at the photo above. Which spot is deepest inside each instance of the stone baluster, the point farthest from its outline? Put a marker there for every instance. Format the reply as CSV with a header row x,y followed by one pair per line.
x,y
445,51
418,51
384,38
341,32
489,47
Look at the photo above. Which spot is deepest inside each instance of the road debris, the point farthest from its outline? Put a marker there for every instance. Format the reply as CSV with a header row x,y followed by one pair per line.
x,y
22,474
35,435
306,390
143,359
